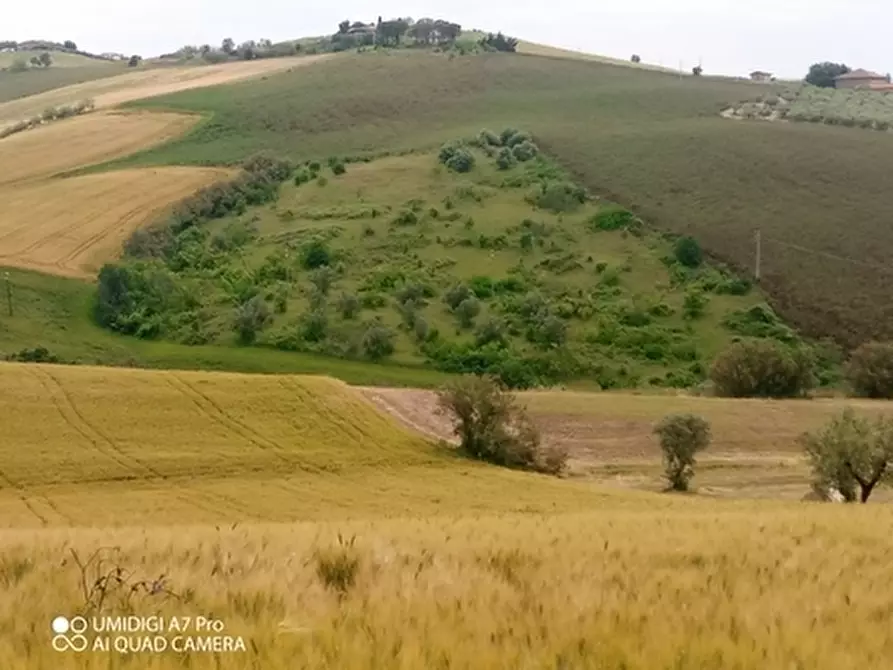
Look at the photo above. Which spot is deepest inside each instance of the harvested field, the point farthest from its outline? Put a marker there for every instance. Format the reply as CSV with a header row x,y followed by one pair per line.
x,y
113,91
87,140
754,451
72,226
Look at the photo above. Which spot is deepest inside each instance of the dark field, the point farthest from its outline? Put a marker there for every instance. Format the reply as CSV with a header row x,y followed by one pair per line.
x,y
14,85
649,140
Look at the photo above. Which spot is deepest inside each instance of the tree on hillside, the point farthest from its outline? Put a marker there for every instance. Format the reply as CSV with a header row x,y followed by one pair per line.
x,y
636,58
134,61
390,32
697,71
228,46
248,50
70,45
824,74
851,452
499,42
343,27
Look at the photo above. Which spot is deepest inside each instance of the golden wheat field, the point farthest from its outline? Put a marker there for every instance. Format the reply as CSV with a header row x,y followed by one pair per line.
x,y
87,140
322,534
70,227
147,83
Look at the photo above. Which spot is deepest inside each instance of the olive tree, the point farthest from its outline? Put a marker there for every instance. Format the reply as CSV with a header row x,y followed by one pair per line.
x,y
681,437
851,454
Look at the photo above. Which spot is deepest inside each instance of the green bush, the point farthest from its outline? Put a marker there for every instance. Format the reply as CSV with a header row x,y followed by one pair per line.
x,y
505,160
250,319
612,218
493,330
764,369
314,326
525,151
560,197
338,168
694,304
489,138
348,306
870,370
461,161
688,252
316,254
506,136
467,310
759,321
456,295
378,342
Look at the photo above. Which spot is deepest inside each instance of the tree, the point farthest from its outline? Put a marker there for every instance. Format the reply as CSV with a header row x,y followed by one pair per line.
x,y
493,427
681,436
348,305
251,318
467,310
247,50
636,58
824,74
378,342
322,279
697,71
390,32
870,370
763,369
228,46
71,46
499,42
850,452
688,252
343,27
134,61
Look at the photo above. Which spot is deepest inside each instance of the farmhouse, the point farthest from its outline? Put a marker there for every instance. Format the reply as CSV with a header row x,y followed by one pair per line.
x,y
760,76
861,79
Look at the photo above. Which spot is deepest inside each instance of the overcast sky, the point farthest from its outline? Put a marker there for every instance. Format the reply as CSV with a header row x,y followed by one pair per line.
x,y
731,36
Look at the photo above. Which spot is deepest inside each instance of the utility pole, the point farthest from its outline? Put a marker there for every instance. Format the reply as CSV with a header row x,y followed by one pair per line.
x,y
759,256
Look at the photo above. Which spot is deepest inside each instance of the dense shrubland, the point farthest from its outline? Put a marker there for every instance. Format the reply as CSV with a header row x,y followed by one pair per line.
x,y
573,288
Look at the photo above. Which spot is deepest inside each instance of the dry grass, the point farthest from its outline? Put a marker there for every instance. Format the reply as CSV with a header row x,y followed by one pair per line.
x,y
533,49
70,227
85,140
113,91
644,586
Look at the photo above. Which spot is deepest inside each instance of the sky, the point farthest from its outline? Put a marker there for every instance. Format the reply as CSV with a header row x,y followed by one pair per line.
x,y
727,37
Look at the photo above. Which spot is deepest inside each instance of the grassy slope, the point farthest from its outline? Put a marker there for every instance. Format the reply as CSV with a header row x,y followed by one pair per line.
x,y
439,253
650,140
197,447
55,313
14,85
60,59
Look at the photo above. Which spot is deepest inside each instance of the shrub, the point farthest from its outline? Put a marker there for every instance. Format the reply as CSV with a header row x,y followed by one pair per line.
x,y
505,160
378,342
302,176
762,368
850,451
505,137
467,310
611,218
421,329
322,181
450,149
338,167
525,151
551,331
316,254
348,306
314,326
492,427
37,355
694,304
456,295
406,218
251,318
322,279
688,252
870,370
488,138
560,197
492,331
461,161
681,437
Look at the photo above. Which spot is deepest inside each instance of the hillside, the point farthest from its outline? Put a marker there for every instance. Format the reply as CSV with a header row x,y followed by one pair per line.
x,y
651,141
402,259
61,59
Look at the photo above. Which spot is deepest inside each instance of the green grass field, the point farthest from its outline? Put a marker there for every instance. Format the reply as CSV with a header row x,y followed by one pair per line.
x,y
649,140
67,69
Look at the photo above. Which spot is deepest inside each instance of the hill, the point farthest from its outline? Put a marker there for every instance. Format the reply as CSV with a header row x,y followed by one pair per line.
x,y
61,59
506,271
651,141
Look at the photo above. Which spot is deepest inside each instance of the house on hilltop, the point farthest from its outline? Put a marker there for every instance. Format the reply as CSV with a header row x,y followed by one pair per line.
x,y
761,76
862,79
